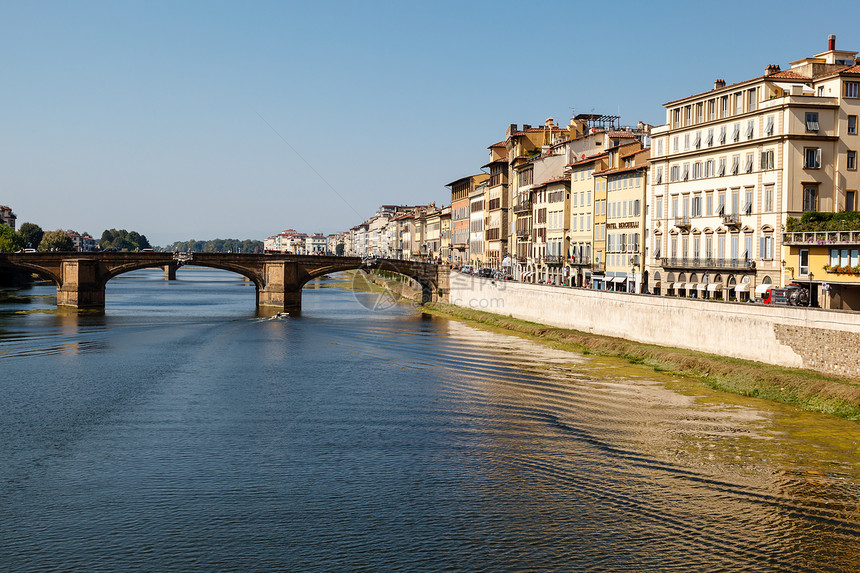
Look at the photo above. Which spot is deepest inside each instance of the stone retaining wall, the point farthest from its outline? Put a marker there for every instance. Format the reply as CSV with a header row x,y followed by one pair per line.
x,y
823,340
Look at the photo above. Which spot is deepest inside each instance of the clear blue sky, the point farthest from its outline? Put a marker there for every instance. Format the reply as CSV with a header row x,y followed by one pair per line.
x,y
155,116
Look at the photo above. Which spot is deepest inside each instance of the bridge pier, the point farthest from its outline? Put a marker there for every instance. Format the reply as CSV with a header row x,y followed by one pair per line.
x,y
81,287
282,288
170,272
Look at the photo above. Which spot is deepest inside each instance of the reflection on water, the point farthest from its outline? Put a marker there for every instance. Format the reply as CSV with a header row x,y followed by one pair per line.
x,y
181,430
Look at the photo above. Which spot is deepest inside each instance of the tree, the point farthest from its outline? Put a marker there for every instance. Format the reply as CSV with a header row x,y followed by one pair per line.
x,y
10,240
32,234
123,240
56,240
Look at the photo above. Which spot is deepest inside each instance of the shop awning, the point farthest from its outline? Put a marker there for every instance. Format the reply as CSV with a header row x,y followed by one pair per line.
x,y
702,286
619,279
678,286
743,287
715,287
690,286
761,289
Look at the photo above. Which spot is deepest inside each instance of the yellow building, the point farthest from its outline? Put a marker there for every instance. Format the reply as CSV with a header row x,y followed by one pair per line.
x,y
626,187
583,211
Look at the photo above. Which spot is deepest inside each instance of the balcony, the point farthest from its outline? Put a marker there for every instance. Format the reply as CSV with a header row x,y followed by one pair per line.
x,y
524,206
580,261
811,238
732,220
553,259
523,233
682,222
705,263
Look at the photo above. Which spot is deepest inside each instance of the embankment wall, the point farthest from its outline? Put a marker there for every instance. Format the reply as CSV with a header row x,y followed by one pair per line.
x,y
823,340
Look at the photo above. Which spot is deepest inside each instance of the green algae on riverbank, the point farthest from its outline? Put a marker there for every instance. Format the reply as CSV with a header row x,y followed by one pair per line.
x,y
805,389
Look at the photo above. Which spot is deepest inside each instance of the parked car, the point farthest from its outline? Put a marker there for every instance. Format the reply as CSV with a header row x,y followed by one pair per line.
x,y
27,251
486,273
467,269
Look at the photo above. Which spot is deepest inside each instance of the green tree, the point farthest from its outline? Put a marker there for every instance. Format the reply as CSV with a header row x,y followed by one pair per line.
x,y
32,234
10,240
56,241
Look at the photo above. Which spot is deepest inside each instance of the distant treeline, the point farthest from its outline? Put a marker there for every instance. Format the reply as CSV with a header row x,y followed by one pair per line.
x,y
217,246
123,240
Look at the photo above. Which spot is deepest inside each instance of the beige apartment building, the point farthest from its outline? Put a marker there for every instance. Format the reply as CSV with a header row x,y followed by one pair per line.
x,y
583,209
732,163
496,231
461,192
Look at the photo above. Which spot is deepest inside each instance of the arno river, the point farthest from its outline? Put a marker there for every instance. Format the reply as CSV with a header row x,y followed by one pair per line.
x,y
180,431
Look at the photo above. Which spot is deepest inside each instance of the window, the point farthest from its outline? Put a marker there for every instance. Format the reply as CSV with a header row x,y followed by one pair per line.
x,y
736,132
810,198
850,200
673,173
697,206
709,204
750,128
675,144
852,160
709,140
674,206
851,89
736,200
751,99
724,106
748,201
768,128
697,141
768,198
659,147
658,208
812,158
686,141
722,170
803,262
739,103
688,115
709,168
736,161
722,135
697,169
721,203
766,247
812,121
766,160
748,166
852,125
686,173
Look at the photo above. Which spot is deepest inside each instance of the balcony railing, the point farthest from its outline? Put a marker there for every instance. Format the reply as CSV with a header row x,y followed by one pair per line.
x,y
705,263
524,206
808,238
523,233
553,259
580,261
732,220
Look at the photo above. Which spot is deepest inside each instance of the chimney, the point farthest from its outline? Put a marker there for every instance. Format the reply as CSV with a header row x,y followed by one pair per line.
x,y
831,42
549,122
771,69
719,84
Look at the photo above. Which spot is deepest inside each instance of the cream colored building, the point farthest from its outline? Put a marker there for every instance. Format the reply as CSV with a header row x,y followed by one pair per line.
x,y
732,163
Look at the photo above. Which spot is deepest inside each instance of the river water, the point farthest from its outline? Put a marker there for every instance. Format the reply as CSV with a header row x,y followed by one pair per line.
x,y
179,430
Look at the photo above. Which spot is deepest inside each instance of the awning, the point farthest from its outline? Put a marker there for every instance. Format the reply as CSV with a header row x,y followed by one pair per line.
x,y
678,286
761,289
743,287
702,286
715,287
619,279
690,286
655,285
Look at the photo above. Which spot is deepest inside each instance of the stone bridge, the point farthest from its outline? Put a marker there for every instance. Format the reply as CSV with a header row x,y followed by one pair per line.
x,y
81,277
